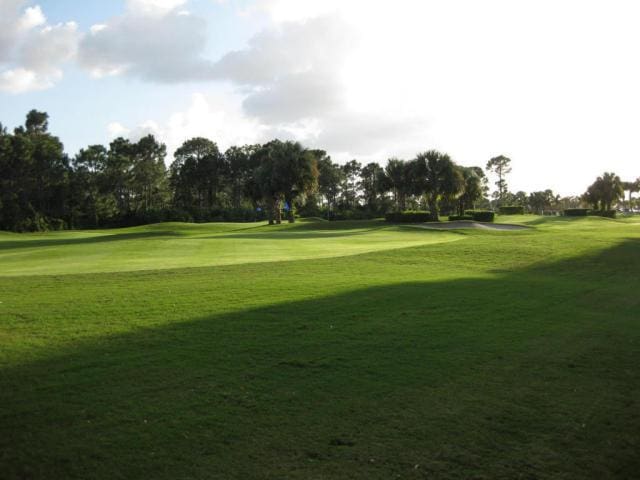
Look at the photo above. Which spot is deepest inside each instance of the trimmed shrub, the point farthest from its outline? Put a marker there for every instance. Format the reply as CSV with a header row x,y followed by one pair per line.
x,y
512,210
409,216
57,224
481,215
455,218
353,215
576,212
603,213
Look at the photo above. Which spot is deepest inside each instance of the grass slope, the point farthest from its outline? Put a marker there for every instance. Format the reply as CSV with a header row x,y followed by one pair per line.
x,y
175,245
501,355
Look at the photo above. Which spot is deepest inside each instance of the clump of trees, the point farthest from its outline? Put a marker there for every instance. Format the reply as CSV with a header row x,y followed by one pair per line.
x,y
605,192
127,183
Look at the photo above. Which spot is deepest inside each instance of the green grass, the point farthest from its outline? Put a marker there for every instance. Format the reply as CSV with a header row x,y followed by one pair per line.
x,y
322,350
175,245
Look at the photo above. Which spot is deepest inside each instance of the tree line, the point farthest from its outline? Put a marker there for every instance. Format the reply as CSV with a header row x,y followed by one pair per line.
x,y
128,183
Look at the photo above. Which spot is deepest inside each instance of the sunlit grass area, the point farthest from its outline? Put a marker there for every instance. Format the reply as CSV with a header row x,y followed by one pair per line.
x,y
175,245
322,350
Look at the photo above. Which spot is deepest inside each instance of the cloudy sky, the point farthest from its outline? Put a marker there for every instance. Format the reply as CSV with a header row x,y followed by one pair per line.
x,y
553,84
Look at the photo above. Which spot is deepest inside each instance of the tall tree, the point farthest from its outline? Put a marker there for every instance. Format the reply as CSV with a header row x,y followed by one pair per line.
x,y
475,188
286,171
330,178
399,177
37,122
542,200
34,173
117,173
373,184
241,164
351,171
605,191
148,175
198,172
631,187
501,166
91,201
438,177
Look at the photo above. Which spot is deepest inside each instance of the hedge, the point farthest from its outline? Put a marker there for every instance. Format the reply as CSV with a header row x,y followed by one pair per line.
x,y
576,212
603,213
455,218
512,210
481,215
409,216
352,215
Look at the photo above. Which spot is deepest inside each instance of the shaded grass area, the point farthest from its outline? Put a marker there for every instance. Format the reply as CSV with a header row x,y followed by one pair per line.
x,y
504,355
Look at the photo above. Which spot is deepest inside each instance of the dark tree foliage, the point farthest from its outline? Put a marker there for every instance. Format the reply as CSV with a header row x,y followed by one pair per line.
x,y
501,166
198,173
438,178
475,188
34,177
400,181
605,192
127,183
241,163
330,178
540,201
349,187
374,184
285,171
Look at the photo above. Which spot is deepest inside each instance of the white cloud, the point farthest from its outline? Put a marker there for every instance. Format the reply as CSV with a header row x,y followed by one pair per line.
x,y
116,129
32,17
552,84
21,80
297,79
290,84
153,7
153,40
32,52
218,117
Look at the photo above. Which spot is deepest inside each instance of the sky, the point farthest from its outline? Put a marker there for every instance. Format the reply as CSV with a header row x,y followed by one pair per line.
x,y
552,84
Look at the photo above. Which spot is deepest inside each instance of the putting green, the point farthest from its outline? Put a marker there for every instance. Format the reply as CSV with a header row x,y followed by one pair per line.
x,y
178,245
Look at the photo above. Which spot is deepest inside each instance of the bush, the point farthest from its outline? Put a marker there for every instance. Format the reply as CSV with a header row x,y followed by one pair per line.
x,y
409,216
576,212
352,215
481,215
512,210
57,224
455,218
178,215
39,223
603,213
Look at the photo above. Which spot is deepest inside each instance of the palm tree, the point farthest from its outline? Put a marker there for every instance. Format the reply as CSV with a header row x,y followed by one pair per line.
x,y
475,188
286,171
631,187
399,175
606,190
437,177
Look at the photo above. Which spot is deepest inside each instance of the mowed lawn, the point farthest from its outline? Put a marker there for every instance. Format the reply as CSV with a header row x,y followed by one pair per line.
x,y
322,351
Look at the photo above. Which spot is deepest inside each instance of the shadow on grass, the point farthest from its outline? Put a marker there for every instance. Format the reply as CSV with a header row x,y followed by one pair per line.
x,y
531,374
